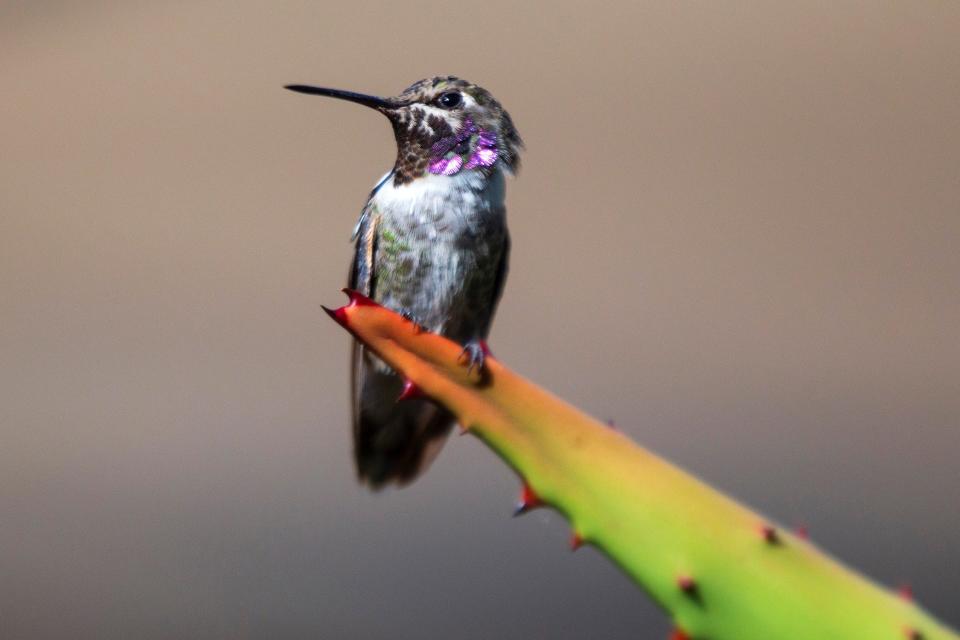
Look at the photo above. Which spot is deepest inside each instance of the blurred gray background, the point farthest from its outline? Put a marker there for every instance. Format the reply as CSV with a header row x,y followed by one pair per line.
x,y
736,234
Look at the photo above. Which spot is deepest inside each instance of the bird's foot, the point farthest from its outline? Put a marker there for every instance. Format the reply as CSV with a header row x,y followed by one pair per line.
x,y
407,315
474,354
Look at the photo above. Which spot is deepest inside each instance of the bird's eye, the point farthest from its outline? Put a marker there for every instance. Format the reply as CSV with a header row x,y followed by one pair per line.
x,y
450,100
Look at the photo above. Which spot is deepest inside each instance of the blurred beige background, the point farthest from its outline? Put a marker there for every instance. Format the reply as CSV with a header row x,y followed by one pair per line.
x,y
736,233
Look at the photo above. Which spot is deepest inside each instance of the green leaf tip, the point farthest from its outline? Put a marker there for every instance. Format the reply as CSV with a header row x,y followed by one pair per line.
x,y
645,514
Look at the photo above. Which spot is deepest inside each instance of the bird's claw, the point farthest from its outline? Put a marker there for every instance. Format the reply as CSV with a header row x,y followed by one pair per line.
x,y
474,354
418,326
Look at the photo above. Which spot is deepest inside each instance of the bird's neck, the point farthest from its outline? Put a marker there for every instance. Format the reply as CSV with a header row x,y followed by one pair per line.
x,y
424,151
466,191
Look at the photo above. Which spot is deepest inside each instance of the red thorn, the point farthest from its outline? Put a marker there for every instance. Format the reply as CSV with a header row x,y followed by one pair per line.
x,y
464,429
358,299
802,532
528,500
339,315
410,390
912,634
770,535
905,591
679,635
687,584
575,542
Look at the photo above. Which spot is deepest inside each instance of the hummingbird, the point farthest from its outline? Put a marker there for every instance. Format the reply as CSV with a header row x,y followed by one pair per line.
x,y
431,244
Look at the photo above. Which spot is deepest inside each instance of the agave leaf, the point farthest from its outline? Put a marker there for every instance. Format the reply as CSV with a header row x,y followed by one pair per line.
x,y
720,570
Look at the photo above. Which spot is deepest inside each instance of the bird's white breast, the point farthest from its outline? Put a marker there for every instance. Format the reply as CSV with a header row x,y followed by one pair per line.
x,y
462,195
437,236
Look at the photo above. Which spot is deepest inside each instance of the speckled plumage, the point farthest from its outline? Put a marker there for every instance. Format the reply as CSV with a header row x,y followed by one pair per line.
x,y
419,124
432,243
440,250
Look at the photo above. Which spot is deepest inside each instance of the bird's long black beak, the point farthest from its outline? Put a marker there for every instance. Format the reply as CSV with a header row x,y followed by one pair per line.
x,y
373,102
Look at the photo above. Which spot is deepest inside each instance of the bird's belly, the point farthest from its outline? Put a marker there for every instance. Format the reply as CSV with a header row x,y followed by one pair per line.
x,y
446,283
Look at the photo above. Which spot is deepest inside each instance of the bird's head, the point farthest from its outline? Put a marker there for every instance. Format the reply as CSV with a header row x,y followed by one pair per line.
x,y
443,126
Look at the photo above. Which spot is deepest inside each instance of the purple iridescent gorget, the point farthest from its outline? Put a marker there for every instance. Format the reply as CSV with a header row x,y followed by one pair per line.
x,y
471,147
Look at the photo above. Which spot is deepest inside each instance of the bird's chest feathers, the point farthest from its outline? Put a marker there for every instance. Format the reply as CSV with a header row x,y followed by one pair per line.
x,y
464,199
437,236
441,212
